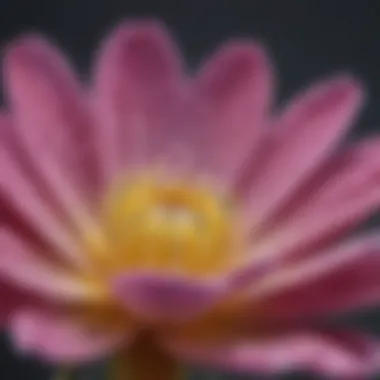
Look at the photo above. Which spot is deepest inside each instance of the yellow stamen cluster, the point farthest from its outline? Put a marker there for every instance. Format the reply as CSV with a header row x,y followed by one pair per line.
x,y
169,225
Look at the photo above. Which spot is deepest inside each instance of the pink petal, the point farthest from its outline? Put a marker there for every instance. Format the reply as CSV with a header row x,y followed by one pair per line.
x,y
50,120
345,356
232,95
22,267
10,300
17,189
138,79
343,194
304,136
337,280
58,338
170,298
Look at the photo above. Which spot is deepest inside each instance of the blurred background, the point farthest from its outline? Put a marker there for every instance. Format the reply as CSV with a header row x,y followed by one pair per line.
x,y
307,39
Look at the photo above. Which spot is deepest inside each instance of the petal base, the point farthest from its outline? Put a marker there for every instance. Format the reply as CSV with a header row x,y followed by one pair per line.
x,y
161,298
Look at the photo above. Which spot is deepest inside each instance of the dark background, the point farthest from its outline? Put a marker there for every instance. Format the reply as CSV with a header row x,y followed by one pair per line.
x,y
307,38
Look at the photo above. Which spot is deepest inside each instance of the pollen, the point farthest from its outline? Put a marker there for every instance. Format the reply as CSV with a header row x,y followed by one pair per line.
x,y
178,226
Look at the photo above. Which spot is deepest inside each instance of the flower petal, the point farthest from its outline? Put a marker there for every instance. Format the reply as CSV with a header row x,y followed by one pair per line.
x,y
232,93
59,338
304,136
166,297
20,266
343,194
337,280
338,355
10,300
138,76
47,105
18,190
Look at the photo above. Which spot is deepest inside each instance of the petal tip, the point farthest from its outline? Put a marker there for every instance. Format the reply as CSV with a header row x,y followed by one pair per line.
x,y
251,53
142,31
349,87
26,46
143,48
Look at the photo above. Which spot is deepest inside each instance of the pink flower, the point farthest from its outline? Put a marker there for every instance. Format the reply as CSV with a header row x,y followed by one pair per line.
x,y
163,217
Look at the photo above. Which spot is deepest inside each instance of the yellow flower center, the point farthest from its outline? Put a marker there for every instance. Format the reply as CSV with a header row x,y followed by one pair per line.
x,y
168,225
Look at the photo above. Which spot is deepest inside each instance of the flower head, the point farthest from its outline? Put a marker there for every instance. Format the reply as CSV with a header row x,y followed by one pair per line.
x,y
165,217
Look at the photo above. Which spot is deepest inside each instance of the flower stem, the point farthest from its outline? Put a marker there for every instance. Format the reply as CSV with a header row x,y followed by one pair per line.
x,y
63,374
145,361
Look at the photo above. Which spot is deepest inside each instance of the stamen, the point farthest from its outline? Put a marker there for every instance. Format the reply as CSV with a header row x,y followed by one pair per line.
x,y
170,226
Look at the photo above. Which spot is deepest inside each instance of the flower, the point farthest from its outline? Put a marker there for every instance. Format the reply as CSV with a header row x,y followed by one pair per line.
x,y
163,217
